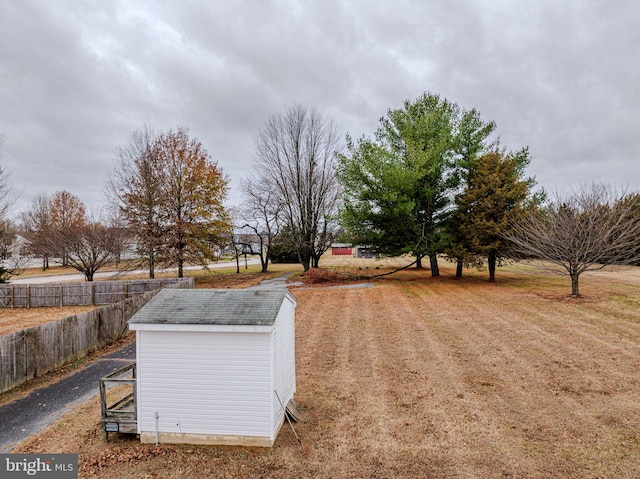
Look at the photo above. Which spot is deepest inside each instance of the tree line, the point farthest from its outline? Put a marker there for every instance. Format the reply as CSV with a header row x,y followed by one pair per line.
x,y
433,182
165,198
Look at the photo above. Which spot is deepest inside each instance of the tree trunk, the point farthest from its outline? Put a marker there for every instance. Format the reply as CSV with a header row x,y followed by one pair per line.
x,y
152,265
433,260
575,292
419,261
491,259
180,256
304,256
459,266
305,261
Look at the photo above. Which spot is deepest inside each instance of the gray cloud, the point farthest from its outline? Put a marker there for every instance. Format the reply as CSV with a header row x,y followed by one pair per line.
x,y
78,77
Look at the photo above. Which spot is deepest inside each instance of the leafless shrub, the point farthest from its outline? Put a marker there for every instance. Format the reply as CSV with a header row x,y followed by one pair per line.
x,y
586,229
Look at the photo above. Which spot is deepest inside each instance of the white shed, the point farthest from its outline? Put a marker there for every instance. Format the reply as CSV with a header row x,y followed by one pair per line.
x,y
214,366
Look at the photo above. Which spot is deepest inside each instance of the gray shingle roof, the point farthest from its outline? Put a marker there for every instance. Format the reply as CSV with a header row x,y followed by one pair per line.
x,y
212,306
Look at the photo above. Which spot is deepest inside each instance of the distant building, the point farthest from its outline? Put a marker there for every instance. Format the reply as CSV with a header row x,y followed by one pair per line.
x,y
364,252
341,249
14,249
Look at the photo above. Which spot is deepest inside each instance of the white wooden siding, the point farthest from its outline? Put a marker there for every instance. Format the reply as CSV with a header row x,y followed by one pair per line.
x,y
204,383
284,372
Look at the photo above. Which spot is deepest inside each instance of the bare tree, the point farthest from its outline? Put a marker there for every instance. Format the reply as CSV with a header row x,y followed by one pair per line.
x,y
122,236
587,229
58,225
8,195
89,247
231,242
36,228
295,157
135,187
7,228
262,213
10,254
67,215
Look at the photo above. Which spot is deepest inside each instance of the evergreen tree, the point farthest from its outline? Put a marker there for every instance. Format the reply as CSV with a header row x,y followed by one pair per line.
x,y
496,194
398,188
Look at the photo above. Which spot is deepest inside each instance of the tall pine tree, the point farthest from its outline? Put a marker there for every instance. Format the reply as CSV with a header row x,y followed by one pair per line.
x,y
398,188
496,194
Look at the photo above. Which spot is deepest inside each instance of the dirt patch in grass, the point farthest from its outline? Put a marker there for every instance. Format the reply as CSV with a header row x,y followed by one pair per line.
x,y
325,276
231,280
423,377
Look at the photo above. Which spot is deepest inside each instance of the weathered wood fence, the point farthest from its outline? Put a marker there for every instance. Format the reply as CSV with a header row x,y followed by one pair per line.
x,y
78,294
35,351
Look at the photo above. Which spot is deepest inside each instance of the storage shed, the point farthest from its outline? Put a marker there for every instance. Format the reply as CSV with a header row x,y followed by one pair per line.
x,y
214,366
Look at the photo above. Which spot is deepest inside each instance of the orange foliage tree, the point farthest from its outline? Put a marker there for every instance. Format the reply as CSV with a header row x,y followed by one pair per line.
x,y
171,194
193,198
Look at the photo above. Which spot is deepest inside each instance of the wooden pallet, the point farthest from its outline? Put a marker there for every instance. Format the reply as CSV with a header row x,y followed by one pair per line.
x,y
119,414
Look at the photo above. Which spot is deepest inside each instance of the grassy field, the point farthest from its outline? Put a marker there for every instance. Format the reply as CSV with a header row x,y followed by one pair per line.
x,y
431,377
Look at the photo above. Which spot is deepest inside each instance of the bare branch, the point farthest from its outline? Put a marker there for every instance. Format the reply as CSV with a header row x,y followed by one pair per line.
x,y
262,213
8,195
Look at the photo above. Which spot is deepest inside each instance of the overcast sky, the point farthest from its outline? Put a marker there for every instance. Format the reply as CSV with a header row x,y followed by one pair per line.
x,y
78,77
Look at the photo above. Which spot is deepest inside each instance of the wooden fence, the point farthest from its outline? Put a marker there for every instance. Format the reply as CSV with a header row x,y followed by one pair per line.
x,y
78,294
35,351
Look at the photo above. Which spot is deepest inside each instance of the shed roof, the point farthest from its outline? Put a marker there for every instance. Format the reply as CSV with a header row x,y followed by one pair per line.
x,y
213,306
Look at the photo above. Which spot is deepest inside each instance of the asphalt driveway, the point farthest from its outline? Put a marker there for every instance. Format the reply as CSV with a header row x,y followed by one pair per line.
x,y
29,415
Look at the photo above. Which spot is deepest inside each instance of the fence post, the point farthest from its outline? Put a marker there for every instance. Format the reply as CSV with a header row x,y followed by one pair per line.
x,y
13,296
93,294
28,296
61,296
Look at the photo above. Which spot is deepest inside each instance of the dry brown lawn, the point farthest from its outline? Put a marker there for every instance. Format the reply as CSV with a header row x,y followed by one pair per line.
x,y
14,319
432,378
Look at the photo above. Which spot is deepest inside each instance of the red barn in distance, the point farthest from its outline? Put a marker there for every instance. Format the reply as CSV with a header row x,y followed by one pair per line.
x,y
341,249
